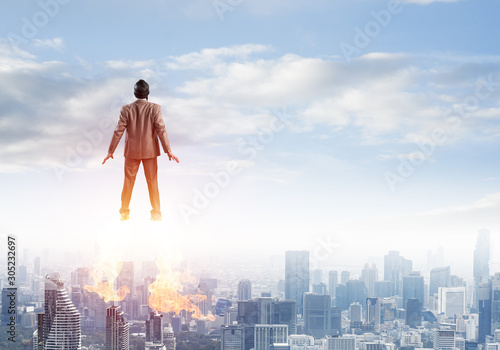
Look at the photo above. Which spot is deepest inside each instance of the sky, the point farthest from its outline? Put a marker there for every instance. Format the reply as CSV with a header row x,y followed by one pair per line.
x,y
345,127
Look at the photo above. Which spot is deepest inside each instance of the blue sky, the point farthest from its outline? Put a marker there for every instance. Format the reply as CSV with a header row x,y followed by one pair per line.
x,y
361,121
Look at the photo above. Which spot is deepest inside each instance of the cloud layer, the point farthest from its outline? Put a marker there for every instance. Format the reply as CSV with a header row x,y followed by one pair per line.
x,y
51,108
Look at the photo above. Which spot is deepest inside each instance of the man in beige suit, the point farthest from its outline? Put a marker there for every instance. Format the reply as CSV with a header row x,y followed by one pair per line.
x,y
144,125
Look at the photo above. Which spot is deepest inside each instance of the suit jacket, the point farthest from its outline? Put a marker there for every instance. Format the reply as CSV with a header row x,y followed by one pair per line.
x,y
144,125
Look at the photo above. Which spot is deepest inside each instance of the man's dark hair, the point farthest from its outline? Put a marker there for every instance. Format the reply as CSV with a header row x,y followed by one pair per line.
x,y
141,89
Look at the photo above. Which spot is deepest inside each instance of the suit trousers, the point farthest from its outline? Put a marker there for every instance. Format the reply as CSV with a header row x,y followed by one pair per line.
x,y
150,171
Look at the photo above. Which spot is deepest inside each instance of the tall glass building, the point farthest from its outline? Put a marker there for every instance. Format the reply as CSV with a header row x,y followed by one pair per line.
x,y
296,276
59,328
117,329
481,270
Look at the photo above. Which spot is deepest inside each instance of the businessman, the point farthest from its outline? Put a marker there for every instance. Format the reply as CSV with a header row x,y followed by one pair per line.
x,y
144,124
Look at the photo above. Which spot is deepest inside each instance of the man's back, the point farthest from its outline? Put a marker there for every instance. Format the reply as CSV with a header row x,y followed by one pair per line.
x,y
144,125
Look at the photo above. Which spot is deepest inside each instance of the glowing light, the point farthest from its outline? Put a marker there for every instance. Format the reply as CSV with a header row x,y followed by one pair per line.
x,y
106,271
165,296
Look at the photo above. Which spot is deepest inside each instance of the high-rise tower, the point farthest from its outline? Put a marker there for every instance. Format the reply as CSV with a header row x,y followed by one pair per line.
x,y
61,321
369,275
333,280
395,267
244,290
440,277
413,287
117,329
154,328
495,303
296,276
481,261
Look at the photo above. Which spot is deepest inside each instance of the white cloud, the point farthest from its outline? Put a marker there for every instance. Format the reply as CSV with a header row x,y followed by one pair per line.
x,y
382,97
55,43
129,64
211,58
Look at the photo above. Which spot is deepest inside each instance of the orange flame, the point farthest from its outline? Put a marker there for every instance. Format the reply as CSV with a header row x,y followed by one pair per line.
x,y
165,296
107,272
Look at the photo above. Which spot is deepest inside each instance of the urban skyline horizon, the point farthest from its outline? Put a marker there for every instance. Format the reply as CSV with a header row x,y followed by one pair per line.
x,y
203,263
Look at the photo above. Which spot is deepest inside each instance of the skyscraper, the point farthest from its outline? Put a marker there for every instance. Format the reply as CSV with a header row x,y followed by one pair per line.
x,y
204,305
333,280
395,267
451,301
440,277
495,303
384,289
369,275
296,276
317,315
355,315
356,291
36,269
481,270
336,320
413,287
373,312
61,321
154,328
413,312
244,290
319,288
81,277
484,306
356,312
268,311
317,276
344,277
117,329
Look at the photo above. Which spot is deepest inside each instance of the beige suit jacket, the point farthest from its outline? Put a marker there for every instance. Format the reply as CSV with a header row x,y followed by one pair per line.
x,y
144,125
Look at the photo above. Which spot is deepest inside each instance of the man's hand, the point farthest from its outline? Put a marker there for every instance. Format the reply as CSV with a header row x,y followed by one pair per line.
x,y
110,155
171,156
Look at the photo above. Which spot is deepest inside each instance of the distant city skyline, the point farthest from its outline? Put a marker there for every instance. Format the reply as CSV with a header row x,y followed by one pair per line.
x,y
353,264
371,125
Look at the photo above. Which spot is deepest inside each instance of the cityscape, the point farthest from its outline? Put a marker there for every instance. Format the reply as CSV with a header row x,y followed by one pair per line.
x,y
336,187
284,303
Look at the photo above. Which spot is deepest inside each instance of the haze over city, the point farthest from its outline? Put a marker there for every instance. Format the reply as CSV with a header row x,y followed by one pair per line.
x,y
345,128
